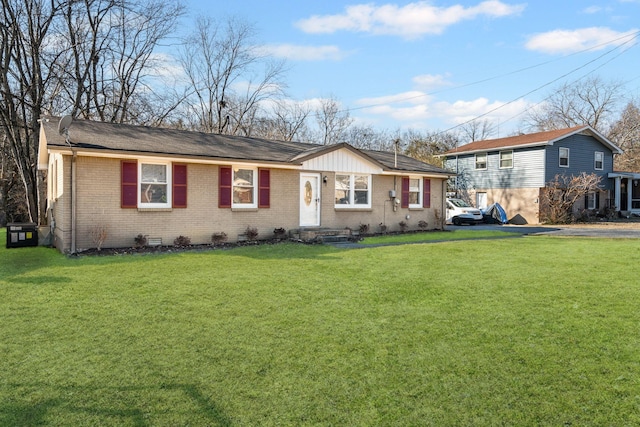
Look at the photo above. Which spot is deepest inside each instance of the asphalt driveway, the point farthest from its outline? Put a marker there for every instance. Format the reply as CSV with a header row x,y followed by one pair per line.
x,y
626,230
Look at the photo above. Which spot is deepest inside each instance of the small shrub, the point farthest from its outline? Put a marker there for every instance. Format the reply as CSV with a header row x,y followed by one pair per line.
x,y
403,226
218,238
364,228
279,233
182,241
140,240
423,224
383,228
251,233
98,235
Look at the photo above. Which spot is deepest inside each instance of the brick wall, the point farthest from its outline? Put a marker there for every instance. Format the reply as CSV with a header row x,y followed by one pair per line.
x,y
98,206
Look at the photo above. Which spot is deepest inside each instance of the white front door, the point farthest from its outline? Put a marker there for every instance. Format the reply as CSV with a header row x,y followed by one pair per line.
x,y
309,200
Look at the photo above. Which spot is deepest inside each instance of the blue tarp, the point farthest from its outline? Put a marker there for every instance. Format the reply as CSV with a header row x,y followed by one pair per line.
x,y
495,214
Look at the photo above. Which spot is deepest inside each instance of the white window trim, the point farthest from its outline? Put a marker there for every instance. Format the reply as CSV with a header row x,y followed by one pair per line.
x,y
420,193
485,162
500,159
169,196
591,197
352,192
595,160
560,157
253,205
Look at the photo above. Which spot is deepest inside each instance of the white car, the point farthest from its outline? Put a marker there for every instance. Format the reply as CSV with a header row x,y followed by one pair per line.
x,y
460,212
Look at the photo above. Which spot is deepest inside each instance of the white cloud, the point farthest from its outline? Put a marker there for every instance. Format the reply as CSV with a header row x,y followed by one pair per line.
x,y
410,97
419,110
462,111
592,10
305,53
431,81
409,21
568,41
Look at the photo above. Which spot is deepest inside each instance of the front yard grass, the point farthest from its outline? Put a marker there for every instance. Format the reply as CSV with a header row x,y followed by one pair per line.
x,y
431,236
532,331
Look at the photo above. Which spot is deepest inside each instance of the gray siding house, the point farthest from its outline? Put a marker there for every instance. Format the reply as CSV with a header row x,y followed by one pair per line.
x,y
512,171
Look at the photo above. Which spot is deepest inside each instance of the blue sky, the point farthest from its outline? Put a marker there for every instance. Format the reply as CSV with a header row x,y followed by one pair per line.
x,y
430,65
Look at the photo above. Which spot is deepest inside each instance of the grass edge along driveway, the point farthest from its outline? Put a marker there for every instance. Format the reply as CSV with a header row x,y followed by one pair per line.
x,y
532,331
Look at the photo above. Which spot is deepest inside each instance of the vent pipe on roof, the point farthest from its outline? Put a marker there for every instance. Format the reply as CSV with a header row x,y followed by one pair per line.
x,y
395,152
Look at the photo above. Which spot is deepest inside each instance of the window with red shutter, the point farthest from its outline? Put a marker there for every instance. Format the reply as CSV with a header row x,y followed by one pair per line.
x,y
405,192
264,178
225,181
426,193
129,184
179,185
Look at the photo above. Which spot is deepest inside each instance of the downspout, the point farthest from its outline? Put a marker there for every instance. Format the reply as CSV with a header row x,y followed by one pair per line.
x,y
73,201
444,203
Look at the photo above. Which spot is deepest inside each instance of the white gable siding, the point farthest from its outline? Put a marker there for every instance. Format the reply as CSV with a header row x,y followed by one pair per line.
x,y
341,161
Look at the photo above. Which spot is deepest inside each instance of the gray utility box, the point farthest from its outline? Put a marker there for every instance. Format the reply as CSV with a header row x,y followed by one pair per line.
x,y
20,235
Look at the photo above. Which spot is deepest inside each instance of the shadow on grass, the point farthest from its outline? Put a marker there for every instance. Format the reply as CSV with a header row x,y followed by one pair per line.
x,y
31,414
18,413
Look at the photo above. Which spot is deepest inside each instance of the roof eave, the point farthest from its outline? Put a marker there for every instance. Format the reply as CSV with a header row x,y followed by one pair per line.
x,y
507,147
131,154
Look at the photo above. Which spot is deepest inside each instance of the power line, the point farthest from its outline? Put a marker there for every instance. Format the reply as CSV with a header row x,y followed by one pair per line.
x,y
550,83
573,82
631,38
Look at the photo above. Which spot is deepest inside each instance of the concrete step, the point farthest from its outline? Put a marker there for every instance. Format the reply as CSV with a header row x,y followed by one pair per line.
x,y
322,234
334,239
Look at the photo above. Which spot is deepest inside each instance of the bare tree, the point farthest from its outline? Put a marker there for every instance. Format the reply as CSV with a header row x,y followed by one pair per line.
x,y
368,138
228,76
12,203
92,58
560,196
625,133
332,121
287,121
591,101
104,62
478,130
24,27
427,146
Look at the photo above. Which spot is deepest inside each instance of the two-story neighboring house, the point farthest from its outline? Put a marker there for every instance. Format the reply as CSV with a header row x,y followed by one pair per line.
x,y
513,170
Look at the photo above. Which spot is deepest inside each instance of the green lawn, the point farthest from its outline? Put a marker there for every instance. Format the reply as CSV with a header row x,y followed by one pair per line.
x,y
519,332
431,236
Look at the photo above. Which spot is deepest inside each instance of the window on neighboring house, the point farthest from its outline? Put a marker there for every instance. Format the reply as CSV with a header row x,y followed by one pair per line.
x,y
353,190
564,157
148,184
506,159
599,160
481,161
592,201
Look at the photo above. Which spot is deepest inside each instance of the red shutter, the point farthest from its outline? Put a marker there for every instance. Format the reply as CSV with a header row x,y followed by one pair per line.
x,y
129,184
264,188
179,186
426,193
224,187
405,192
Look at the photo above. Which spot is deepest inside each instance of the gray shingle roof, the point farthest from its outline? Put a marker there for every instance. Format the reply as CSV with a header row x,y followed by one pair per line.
x,y
130,139
531,139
